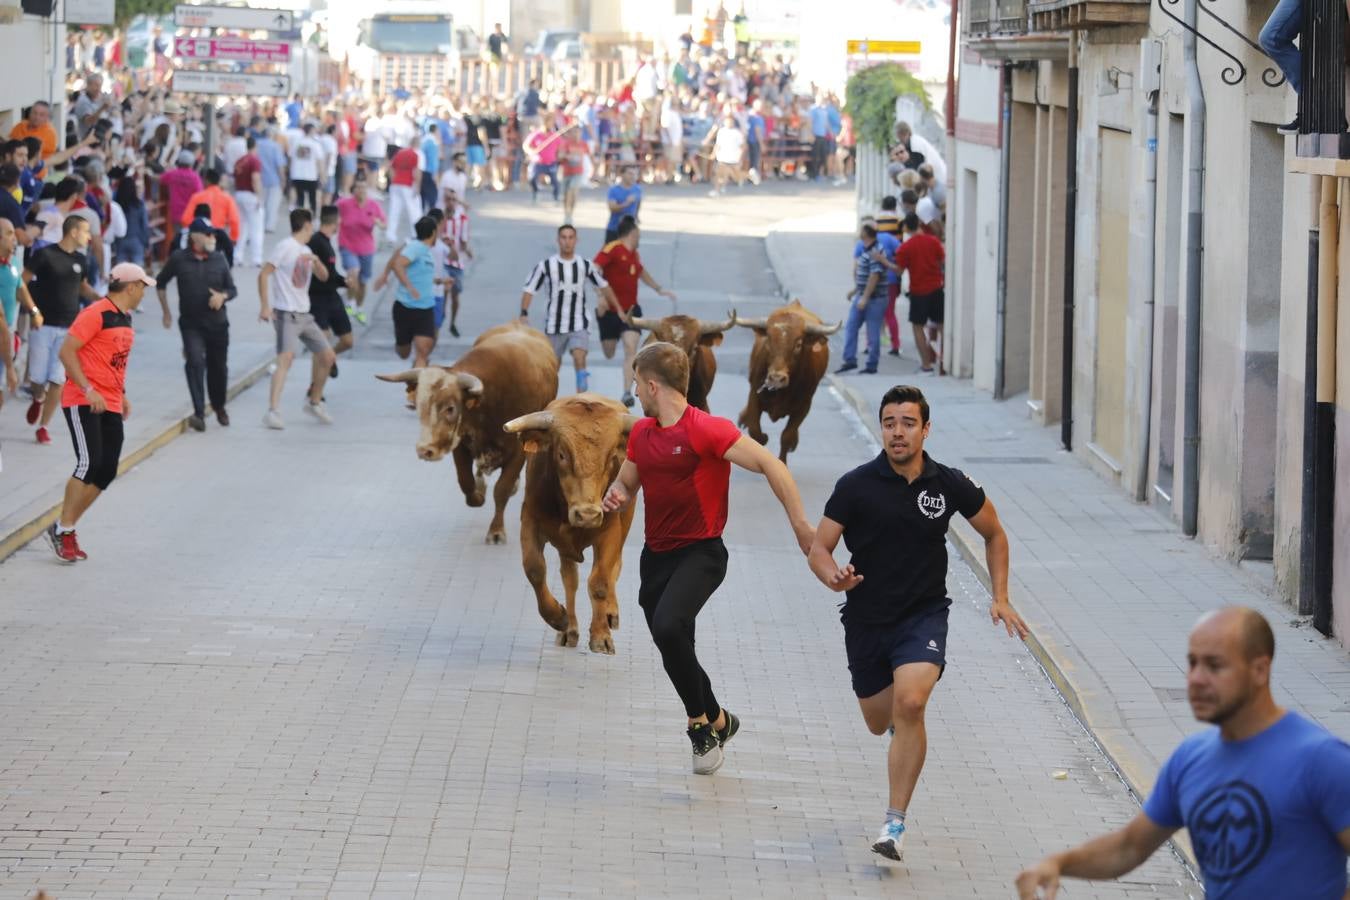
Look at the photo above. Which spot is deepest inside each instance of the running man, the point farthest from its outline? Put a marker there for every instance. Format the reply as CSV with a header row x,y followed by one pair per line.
x,y
94,400
681,458
415,301
325,303
893,513
289,268
622,267
623,199
357,217
1265,795
455,237
566,319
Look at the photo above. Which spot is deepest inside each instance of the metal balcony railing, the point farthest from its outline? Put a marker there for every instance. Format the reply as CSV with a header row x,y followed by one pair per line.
x,y
996,17
977,16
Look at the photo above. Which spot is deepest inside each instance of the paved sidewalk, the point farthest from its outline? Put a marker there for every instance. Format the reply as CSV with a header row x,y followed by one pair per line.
x,y
1109,587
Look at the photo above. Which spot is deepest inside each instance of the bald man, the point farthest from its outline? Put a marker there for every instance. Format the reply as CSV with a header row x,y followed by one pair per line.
x,y
1265,795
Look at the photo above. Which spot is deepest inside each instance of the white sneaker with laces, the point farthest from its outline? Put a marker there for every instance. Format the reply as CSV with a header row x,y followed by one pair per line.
x,y
319,411
891,842
273,420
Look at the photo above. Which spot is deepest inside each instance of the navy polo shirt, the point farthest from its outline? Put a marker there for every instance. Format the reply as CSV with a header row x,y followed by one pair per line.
x,y
897,534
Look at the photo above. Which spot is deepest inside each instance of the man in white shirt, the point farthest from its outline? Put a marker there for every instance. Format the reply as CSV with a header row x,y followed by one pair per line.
x,y
306,165
288,270
455,180
563,278
328,188
234,149
728,153
672,136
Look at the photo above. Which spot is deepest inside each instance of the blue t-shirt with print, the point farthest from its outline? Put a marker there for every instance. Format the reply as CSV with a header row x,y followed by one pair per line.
x,y
888,243
421,274
10,278
1263,813
630,197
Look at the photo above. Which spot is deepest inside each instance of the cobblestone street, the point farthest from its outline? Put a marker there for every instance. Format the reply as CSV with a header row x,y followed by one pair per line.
x,y
291,667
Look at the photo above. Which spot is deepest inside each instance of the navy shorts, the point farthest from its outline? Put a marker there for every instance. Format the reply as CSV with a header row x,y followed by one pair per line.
x,y
876,651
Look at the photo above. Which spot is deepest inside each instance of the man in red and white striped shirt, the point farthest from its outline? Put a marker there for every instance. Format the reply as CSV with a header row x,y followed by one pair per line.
x,y
455,236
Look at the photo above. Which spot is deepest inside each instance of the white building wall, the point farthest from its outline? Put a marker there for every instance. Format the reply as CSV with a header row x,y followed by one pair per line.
x,y
37,73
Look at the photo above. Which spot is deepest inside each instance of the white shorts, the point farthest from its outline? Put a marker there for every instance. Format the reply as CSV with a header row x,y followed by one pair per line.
x,y
568,341
44,355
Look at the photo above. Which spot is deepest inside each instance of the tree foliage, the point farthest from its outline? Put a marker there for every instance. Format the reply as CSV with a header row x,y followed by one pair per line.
x,y
126,10
872,93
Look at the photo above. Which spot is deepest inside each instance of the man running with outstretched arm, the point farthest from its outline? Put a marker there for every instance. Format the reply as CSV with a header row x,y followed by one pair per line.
x,y
681,458
893,513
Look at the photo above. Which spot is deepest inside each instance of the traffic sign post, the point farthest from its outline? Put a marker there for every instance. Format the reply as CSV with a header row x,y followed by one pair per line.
x,y
240,84
232,50
241,17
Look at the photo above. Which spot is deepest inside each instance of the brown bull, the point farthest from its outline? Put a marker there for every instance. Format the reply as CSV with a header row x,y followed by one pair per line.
x,y
790,356
510,370
576,446
696,338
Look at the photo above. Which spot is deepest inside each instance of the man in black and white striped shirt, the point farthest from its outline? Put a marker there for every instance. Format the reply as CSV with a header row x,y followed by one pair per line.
x,y
563,278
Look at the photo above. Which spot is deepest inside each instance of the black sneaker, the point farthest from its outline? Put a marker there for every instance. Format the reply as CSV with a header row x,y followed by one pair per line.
x,y
196,422
727,733
707,750
846,367
454,332
870,370
332,373
1291,128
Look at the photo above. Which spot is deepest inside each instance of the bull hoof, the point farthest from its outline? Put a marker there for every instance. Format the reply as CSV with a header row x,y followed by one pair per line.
x,y
603,645
496,537
568,638
613,621
761,439
475,499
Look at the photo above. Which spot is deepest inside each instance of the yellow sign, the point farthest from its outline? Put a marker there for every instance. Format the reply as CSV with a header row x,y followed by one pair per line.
x,y
884,48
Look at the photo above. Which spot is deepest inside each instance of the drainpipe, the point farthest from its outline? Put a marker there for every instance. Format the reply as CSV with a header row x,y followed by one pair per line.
x,y
1001,313
1195,221
1324,421
1308,513
1070,224
1147,285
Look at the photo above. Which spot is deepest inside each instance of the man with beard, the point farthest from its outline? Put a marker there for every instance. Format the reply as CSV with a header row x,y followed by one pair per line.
x,y
681,458
1265,795
893,513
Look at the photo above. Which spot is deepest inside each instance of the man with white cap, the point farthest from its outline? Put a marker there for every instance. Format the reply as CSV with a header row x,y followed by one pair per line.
x,y
94,400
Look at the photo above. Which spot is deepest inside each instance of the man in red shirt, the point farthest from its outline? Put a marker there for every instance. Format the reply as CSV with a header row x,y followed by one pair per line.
x,y
405,202
619,260
94,400
681,458
248,194
925,258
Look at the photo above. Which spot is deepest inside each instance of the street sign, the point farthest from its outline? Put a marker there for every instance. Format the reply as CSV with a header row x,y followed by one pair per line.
x,y
186,15
232,49
884,48
240,84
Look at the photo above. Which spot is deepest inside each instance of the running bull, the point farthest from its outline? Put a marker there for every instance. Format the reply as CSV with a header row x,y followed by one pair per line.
x,y
696,338
790,356
576,446
510,370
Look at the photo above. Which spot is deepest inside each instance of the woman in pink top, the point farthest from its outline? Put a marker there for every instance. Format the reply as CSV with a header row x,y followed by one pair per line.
x,y
358,216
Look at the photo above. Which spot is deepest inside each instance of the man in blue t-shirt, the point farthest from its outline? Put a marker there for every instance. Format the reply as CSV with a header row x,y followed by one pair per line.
x,y
1265,795
624,199
415,300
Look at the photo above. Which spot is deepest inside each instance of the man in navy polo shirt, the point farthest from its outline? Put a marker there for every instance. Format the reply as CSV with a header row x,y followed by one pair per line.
x,y
893,514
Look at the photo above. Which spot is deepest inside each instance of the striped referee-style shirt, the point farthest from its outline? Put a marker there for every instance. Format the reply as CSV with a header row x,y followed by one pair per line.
x,y
564,282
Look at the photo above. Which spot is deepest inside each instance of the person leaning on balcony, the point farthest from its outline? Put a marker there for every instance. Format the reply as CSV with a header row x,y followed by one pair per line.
x,y
1277,39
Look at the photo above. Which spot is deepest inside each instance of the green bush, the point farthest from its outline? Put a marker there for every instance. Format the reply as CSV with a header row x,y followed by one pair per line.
x,y
872,93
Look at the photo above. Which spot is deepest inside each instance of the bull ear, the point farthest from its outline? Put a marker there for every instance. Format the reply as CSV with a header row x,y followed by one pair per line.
x,y
408,377
711,340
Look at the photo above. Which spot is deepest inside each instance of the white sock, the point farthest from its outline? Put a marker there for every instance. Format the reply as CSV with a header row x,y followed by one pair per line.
x,y
62,528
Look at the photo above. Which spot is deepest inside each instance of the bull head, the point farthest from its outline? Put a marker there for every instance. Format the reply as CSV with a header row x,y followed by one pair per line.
x,y
786,332
442,396
586,436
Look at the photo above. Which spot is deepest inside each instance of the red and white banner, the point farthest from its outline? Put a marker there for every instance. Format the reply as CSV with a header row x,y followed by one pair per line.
x,y
232,50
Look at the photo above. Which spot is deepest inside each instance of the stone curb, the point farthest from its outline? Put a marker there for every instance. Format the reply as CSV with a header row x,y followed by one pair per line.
x,y
39,521
1086,695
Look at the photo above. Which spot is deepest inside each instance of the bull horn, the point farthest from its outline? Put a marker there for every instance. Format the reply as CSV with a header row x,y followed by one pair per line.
x,y
470,384
628,422
639,322
753,323
408,377
535,421
824,330
705,327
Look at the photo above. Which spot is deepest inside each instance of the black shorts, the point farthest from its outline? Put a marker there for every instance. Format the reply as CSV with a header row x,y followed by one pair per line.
x,y
98,444
330,313
876,651
612,327
410,323
925,308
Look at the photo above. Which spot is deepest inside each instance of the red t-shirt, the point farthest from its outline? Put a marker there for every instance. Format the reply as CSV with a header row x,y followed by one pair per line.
x,y
925,258
622,269
403,164
244,170
107,335
683,476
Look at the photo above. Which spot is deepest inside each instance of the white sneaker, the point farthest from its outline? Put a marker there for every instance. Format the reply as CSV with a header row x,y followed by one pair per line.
x,y
714,192
273,420
891,842
319,411
754,176
708,755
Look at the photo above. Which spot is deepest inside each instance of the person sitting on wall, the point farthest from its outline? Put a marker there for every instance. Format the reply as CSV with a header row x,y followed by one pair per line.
x,y
1277,40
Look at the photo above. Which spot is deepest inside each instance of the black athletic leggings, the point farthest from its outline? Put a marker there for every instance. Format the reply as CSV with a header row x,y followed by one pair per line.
x,y
674,587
